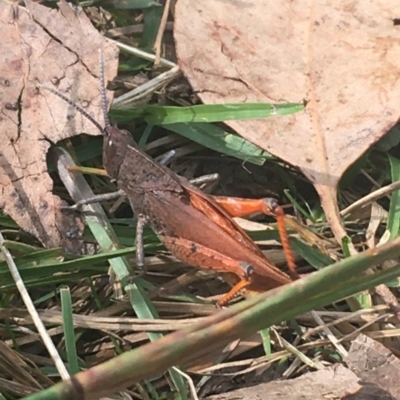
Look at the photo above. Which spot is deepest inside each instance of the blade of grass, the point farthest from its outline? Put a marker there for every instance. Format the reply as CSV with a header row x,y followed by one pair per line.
x,y
165,115
152,19
217,139
207,113
32,253
194,123
393,223
313,256
130,4
30,268
360,300
7,222
69,332
145,137
52,280
266,341
140,53
139,97
298,206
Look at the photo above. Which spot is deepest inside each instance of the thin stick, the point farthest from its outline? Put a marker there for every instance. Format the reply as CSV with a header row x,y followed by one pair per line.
x,y
139,95
62,370
329,334
160,33
142,54
189,381
369,198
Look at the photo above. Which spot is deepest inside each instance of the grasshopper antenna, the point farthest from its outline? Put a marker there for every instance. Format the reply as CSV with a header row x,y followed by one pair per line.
x,y
71,103
104,103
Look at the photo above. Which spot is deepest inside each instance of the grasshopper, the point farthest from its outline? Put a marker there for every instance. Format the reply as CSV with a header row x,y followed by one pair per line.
x,y
195,227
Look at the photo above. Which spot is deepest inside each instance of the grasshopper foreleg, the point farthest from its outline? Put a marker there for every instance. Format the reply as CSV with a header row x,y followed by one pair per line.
x,y
205,179
141,223
95,199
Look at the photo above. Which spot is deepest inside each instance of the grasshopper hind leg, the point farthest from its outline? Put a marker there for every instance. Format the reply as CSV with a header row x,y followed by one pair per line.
x,y
239,207
206,258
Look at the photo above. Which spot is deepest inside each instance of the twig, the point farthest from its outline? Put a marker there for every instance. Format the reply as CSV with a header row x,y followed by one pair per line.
x,y
296,352
369,198
143,54
160,33
190,382
132,29
146,90
333,339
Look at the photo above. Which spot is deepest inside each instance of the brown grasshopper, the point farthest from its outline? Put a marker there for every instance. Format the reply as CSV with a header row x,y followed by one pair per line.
x,y
197,228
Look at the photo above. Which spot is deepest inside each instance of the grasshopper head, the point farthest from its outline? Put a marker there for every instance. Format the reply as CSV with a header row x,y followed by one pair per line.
x,y
115,145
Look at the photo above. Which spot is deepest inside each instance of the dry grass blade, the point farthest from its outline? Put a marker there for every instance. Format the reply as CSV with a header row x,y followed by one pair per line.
x,y
141,95
371,197
342,351
142,54
160,33
300,356
103,323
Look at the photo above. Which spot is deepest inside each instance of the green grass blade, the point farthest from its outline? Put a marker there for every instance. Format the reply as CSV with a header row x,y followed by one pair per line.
x,y
69,332
266,341
313,256
7,222
206,113
215,138
19,247
130,4
393,223
194,124
298,206
152,19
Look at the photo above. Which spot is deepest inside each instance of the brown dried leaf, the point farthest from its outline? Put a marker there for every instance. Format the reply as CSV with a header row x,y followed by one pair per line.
x,y
343,57
375,365
333,383
56,48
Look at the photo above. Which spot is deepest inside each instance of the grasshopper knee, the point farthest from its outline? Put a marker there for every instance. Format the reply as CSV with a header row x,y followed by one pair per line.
x,y
270,206
247,270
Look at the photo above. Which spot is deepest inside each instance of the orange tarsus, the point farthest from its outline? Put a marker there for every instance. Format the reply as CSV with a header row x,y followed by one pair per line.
x,y
233,292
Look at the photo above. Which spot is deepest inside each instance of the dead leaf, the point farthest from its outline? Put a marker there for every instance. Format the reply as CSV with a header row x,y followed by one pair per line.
x,y
56,48
330,383
343,57
375,364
